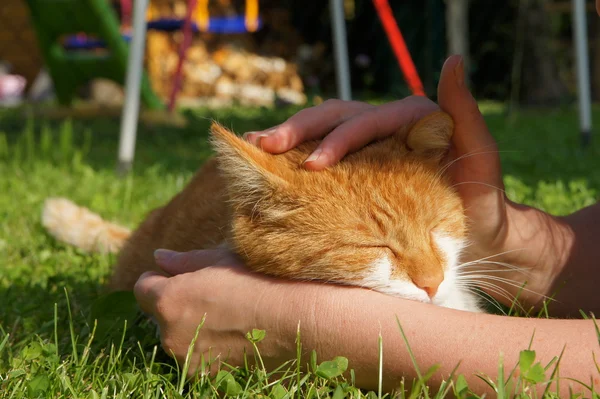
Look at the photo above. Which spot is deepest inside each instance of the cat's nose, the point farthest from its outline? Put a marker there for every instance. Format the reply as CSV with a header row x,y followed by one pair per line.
x,y
429,282
431,291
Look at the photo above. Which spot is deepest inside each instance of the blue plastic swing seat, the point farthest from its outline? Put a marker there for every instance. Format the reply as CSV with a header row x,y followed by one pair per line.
x,y
222,25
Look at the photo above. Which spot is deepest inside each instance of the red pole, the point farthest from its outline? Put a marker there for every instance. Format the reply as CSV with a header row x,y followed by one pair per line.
x,y
126,13
399,47
185,44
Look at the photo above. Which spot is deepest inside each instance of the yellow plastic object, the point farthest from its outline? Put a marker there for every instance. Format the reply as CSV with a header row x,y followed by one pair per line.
x,y
251,15
201,15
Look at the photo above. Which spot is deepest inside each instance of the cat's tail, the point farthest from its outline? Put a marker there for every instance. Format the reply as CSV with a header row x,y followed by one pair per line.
x,y
78,226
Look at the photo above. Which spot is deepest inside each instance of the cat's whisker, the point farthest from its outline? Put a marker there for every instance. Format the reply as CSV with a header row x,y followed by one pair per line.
x,y
507,268
506,265
506,281
478,182
474,152
466,273
501,292
491,288
503,280
491,300
493,256
470,154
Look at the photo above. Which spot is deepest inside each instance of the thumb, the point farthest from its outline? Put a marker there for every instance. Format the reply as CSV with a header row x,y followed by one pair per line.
x,y
454,97
174,262
472,140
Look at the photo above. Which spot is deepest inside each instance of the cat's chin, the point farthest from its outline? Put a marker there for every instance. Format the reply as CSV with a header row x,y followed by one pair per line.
x,y
460,300
451,298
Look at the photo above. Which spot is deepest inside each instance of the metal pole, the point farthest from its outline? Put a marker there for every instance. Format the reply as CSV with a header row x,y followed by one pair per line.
x,y
338,25
133,81
583,71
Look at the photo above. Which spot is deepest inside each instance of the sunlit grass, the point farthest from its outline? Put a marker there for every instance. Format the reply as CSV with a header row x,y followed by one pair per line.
x,y
54,347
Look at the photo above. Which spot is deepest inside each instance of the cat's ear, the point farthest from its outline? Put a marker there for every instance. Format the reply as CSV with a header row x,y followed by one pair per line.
x,y
431,134
249,170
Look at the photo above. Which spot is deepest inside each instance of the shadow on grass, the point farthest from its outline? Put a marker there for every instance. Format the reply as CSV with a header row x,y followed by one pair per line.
x,y
64,301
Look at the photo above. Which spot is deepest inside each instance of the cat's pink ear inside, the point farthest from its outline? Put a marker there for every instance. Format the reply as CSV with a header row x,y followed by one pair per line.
x,y
433,132
248,168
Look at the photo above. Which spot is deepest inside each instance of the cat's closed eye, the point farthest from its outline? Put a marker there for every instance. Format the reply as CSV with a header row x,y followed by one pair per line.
x,y
394,253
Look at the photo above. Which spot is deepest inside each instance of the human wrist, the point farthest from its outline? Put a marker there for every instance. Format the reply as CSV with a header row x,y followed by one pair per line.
x,y
313,312
281,311
538,241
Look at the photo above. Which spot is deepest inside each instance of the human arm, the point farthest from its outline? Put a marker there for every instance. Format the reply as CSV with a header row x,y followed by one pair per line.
x,y
345,321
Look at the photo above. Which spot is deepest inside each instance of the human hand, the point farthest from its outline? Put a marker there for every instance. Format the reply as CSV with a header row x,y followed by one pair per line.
x,y
215,284
504,236
514,250
345,126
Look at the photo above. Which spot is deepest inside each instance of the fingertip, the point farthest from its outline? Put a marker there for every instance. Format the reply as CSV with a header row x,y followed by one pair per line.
x,y
257,138
275,143
314,157
452,61
274,140
163,256
451,64
319,159
453,67
146,287
186,262
453,94
147,279
251,137
314,166
455,98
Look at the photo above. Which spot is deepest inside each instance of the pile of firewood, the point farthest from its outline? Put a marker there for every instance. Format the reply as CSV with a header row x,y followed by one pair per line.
x,y
224,69
228,74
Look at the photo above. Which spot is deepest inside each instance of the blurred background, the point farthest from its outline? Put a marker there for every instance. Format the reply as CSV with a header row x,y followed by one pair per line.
x,y
515,49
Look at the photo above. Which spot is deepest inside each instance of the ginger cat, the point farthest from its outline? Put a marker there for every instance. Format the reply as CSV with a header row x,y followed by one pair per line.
x,y
384,218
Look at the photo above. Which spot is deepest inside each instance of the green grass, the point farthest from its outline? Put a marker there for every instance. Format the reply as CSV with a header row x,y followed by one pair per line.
x,y
50,345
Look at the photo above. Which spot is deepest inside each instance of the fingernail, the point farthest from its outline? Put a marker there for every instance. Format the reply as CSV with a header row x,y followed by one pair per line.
x,y
459,73
314,156
249,136
264,134
164,255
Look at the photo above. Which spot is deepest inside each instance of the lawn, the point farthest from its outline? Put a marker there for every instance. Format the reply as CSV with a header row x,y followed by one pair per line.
x,y
49,292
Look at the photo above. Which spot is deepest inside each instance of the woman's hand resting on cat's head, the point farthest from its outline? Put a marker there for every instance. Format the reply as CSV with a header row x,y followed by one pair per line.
x,y
346,126
511,235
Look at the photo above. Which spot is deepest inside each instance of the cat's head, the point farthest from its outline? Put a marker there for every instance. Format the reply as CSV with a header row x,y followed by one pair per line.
x,y
385,217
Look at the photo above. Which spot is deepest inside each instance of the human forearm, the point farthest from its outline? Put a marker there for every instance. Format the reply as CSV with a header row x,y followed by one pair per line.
x,y
346,322
539,245
343,321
